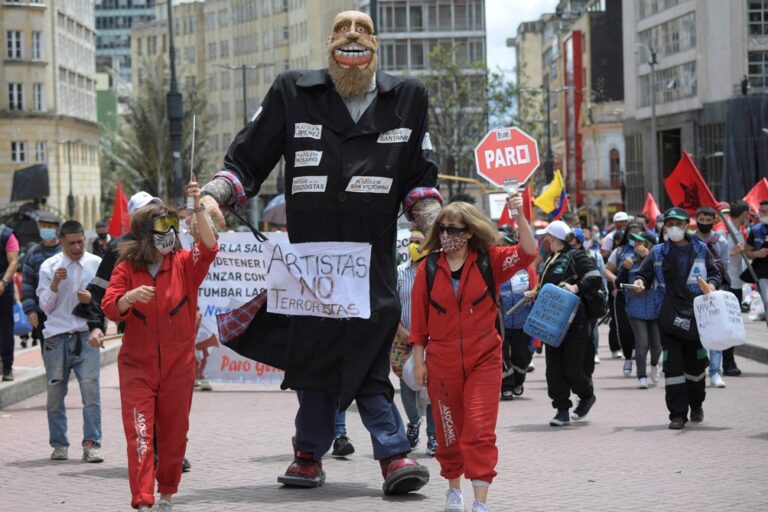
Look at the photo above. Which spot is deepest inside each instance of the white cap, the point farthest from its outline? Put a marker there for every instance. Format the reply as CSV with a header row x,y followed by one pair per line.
x,y
140,200
621,217
558,229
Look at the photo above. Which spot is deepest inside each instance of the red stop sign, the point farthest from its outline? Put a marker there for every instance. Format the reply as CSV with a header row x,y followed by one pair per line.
x,y
506,153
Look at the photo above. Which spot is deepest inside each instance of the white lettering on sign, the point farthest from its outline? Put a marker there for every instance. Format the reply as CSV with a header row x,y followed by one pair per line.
x,y
306,130
506,157
308,184
369,184
307,158
502,135
394,136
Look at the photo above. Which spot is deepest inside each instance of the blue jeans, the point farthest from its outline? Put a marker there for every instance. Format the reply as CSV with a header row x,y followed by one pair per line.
x,y
60,359
408,397
715,357
315,424
340,428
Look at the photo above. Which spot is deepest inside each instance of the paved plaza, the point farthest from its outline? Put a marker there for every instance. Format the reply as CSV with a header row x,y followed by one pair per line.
x,y
623,459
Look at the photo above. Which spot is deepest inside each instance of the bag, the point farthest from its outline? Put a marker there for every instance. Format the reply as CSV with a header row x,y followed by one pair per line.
x,y
408,376
595,304
676,317
398,354
21,325
718,318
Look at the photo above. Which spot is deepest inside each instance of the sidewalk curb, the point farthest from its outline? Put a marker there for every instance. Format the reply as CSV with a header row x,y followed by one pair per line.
x,y
754,352
34,383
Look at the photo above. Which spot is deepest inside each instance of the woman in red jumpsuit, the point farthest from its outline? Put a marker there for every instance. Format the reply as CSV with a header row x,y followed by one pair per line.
x,y
456,323
154,290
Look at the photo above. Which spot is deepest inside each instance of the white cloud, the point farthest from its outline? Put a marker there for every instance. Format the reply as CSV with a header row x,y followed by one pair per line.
x,y
502,18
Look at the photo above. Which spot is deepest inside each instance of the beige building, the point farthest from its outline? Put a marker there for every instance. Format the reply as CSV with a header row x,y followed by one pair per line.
x,y
48,101
214,39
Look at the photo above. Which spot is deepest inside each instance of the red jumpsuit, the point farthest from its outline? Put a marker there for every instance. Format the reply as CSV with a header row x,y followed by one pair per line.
x,y
464,360
157,366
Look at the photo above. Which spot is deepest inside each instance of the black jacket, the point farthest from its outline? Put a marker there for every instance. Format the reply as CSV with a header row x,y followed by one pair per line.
x,y
304,120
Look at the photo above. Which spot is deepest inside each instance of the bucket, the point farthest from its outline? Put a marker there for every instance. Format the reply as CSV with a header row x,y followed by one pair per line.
x,y
718,317
552,314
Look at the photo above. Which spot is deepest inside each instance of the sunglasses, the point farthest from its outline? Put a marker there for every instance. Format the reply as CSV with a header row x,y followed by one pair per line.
x,y
451,230
165,222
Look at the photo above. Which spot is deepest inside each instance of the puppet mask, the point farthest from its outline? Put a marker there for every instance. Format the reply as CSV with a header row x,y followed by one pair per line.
x,y
352,53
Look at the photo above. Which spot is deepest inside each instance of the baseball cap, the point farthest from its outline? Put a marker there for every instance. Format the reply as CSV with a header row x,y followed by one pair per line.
x,y
676,213
621,217
644,237
579,233
558,229
140,200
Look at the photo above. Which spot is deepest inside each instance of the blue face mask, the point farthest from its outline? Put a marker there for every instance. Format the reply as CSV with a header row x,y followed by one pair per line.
x,y
47,234
631,243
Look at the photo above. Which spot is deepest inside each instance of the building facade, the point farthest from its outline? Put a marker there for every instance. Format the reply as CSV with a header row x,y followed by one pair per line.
x,y
114,20
704,49
48,101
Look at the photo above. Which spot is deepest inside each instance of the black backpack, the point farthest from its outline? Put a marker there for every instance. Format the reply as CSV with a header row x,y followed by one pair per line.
x,y
595,304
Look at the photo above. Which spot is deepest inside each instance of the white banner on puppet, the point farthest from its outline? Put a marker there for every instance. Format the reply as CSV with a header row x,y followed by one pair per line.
x,y
324,279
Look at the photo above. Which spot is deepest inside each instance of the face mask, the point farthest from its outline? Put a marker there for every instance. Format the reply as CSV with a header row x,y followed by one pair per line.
x,y
764,220
704,228
631,243
164,242
414,252
675,233
452,243
47,234
103,236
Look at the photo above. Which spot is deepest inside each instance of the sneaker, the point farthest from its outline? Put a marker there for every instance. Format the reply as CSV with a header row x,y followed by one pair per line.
x,y
454,500
581,410
732,372
203,385
716,381
616,354
60,453
697,415
431,446
8,375
92,452
676,424
627,367
412,433
597,359
402,475
561,418
342,447
144,508
655,374
642,383
531,367
23,343
164,506
518,390
186,466
304,471
479,506
507,395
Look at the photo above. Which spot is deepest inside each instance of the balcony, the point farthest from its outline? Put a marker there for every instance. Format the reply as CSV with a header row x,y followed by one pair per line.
x,y
609,184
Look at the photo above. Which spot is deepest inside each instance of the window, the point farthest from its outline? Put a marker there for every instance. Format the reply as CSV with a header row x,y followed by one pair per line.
x,y
758,18
417,18
37,97
672,84
40,151
15,96
13,44
211,51
223,49
672,37
37,45
18,152
210,21
615,167
757,67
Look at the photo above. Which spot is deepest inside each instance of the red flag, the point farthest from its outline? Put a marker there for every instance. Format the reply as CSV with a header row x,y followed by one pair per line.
x,y
686,188
527,209
120,223
758,193
651,209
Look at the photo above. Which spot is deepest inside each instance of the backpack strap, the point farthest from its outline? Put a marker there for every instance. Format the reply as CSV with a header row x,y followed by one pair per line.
x,y
484,264
431,271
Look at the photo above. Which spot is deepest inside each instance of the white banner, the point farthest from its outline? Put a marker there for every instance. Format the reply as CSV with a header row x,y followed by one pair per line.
x,y
403,235
324,279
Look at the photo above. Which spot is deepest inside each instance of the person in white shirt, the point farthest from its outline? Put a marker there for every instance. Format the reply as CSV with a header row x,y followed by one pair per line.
x,y
61,288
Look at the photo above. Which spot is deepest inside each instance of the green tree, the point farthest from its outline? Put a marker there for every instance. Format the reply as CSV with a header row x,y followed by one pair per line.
x,y
466,99
138,151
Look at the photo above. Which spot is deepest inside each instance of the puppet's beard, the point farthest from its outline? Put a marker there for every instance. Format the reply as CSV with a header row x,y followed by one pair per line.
x,y
352,81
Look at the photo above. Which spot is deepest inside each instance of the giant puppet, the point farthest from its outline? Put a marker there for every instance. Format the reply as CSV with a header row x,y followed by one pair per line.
x,y
333,127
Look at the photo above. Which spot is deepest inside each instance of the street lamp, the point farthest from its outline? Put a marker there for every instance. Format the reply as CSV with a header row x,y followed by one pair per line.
x,y
175,107
243,68
652,61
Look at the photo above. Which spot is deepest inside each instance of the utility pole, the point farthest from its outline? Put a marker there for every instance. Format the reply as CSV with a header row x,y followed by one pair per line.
x,y
549,160
70,197
175,107
655,178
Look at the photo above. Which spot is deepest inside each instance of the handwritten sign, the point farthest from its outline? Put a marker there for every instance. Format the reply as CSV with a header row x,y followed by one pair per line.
x,y
718,317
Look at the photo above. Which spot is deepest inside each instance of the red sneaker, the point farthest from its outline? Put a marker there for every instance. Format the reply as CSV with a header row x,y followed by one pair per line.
x,y
304,471
403,475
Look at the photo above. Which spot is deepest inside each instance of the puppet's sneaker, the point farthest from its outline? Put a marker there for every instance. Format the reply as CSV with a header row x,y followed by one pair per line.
x,y
403,475
303,472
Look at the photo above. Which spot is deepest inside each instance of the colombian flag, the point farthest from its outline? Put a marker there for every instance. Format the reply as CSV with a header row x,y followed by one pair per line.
x,y
553,200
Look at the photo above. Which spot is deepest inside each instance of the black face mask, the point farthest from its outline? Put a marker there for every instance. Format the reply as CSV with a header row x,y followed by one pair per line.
x,y
704,228
103,236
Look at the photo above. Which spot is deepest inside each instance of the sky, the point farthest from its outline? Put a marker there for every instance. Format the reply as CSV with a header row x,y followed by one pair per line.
x,y
502,18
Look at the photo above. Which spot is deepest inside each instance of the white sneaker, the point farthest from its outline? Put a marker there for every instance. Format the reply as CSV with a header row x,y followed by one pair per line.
x,y
616,354
164,506
597,359
642,383
60,453
627,367
479,506
454,500
655,374
717,381
531,367
144,508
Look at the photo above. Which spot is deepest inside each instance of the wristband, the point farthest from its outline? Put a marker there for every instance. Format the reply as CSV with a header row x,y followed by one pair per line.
x,y
199,209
